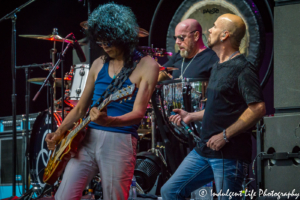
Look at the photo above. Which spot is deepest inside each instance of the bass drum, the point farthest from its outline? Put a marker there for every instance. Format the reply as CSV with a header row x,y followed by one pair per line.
x,y
38,151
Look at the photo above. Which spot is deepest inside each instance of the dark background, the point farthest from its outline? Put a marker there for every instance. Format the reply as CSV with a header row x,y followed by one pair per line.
x,y
42,16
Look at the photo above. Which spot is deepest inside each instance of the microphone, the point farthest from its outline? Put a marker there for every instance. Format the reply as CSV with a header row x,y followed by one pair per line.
x,y
186,127
78,50
181,122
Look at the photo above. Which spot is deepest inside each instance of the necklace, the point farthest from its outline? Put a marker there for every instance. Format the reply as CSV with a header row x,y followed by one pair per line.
x,y
181,76
233,55
115,73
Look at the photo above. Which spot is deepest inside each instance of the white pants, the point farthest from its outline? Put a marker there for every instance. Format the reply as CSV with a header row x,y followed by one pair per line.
x,y
112,154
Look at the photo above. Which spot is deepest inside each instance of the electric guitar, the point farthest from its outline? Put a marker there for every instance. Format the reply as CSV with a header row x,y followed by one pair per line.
x,y
67,146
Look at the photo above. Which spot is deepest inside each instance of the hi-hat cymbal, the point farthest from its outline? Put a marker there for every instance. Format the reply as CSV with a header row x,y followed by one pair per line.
x,y
161,68
47,37
40,81
142,32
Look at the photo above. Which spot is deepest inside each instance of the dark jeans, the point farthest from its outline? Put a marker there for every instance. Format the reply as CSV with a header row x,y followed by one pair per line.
x,y
196,171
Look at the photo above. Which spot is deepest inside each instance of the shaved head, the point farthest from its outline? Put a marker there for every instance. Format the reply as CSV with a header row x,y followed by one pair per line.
x,y
190,33
190,25
235,26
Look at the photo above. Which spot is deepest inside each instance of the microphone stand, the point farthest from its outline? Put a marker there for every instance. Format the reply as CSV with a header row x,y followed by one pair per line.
x,y
12,15
48,77
25,145
90,48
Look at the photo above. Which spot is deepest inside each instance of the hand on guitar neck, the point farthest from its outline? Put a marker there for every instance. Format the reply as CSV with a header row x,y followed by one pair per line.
x,y
100,117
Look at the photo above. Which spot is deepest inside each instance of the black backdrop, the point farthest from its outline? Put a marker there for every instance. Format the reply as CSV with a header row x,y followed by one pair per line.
x,y
42,16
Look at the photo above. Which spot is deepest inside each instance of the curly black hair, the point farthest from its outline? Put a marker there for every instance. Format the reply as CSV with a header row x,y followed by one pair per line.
x,y
117,25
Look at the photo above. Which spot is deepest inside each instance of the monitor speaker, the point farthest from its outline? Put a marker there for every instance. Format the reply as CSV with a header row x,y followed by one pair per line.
x,y
282,137
287,55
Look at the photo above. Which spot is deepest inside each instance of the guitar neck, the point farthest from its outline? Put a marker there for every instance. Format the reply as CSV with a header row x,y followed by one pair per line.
x,y
87,120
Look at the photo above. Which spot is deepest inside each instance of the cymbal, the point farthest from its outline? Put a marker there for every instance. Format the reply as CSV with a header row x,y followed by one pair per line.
x,y
47,37
40,81
161,68
142,32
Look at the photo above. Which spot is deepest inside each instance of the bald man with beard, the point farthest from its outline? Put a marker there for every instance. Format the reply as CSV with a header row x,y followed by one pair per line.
x,y
194,59
234,105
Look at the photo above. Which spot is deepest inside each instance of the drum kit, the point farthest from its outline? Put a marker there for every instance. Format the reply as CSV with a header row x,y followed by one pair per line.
x,y
188,94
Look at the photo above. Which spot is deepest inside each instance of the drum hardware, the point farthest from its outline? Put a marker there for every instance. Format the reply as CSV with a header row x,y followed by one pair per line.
x,y
154,52
40,81
153,124
27,127
171,96
78,75
51,37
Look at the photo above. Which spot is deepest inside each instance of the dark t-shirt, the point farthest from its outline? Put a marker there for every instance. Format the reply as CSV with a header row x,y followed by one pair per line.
x,y
232,86
198,68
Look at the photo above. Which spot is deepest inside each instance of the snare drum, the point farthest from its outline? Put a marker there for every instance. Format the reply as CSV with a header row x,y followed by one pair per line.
x,y
186,94
80,74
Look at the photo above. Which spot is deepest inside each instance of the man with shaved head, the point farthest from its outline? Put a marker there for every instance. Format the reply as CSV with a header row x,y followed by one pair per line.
x,y
234,105
194,59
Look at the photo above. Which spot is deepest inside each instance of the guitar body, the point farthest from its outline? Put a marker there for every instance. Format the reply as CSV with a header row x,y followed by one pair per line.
x,y
55,167
68,146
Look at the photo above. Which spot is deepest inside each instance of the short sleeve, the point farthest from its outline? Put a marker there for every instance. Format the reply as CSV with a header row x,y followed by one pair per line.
x,y
249,86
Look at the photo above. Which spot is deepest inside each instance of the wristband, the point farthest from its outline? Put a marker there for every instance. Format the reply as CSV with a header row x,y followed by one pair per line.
x,y
224,136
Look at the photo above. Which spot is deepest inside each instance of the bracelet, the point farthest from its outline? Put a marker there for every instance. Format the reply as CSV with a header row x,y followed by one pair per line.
x,y
224,136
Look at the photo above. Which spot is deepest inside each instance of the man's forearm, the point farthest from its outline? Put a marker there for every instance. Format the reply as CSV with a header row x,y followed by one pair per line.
x,y
124,120
247,120
69,121
197,116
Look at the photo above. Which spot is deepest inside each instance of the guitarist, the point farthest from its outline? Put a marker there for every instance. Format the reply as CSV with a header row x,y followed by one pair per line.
x,y
109,146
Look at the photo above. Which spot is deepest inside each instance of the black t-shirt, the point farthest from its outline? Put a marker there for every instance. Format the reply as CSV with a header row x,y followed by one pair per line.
x,y
199,67
232,86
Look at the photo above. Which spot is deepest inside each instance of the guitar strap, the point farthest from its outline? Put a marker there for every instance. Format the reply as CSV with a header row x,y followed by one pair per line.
x,y
117,82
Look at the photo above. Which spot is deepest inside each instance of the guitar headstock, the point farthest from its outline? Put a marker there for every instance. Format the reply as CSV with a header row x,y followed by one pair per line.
x,y
123,93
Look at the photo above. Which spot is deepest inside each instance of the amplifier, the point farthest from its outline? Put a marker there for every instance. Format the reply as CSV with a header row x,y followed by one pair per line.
x,y
7,122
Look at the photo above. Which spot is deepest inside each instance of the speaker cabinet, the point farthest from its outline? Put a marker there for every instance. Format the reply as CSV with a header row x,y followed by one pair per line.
x,y
6,144
286,56
282,134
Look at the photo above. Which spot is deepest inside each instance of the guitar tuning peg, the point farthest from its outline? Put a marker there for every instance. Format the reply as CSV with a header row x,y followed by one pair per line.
x,y
129,98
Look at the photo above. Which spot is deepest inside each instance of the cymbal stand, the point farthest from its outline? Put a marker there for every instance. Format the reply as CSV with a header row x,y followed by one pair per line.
x,y
52,55
12,15
153,132
48,78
